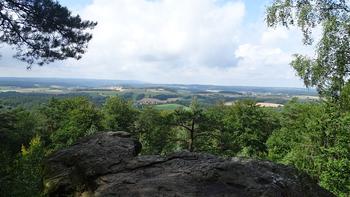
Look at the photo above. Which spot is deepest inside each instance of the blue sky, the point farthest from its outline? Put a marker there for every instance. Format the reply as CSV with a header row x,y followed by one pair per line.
x,y
75,4
255,8
224,42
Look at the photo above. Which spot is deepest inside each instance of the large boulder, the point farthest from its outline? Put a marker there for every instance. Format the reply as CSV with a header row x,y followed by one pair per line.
x,y
107,164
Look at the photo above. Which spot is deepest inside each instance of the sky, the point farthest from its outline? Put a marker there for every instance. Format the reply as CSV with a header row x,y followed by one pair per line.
x,y
220,42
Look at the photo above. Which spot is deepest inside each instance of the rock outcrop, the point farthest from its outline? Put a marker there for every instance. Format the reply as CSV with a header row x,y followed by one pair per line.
x,y
107,164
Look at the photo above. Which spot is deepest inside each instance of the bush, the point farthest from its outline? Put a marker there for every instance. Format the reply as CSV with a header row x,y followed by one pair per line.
x,y
26,171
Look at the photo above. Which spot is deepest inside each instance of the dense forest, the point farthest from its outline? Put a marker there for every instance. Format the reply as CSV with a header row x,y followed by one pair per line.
x,y
313,137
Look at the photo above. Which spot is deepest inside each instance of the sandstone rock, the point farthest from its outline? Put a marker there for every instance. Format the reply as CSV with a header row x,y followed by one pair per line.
x,y
107,164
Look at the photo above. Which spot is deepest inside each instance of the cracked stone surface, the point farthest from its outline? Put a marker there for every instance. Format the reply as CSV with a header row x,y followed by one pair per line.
x,y
107,164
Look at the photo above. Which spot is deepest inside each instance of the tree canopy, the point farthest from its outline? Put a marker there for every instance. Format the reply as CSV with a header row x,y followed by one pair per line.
x,y
43,31
330,68
313,137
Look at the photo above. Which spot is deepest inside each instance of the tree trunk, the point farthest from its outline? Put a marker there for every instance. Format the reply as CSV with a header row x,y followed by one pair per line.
x,y
190,143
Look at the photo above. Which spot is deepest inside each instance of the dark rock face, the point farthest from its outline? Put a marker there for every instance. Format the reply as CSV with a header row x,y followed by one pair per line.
x,y
107,164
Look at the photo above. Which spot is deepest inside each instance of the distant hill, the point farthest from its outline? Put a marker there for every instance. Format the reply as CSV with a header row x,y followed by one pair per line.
x,y
47,82
101,83
244,89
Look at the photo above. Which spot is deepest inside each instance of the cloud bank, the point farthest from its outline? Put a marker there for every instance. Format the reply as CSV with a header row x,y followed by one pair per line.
x,y
178,41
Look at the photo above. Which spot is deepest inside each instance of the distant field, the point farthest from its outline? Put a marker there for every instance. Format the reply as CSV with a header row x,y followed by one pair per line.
x,y
168,106
17,91
34,90
102,93
273,105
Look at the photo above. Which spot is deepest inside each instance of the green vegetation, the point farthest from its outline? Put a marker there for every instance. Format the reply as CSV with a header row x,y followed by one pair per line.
x,y
118,114
154,131
69,119
169,106
313,137
329,70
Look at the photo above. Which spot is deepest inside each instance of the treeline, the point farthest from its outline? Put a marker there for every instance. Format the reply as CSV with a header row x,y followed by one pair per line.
x,y
314,137
29,101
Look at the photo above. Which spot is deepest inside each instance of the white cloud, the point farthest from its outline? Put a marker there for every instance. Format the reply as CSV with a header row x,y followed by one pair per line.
x,y
179,41
266,64
274,35
166,33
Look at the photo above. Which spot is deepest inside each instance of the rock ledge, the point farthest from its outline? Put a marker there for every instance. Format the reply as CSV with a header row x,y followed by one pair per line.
x,y
107,164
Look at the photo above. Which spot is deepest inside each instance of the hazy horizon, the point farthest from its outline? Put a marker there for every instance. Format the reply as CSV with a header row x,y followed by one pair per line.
x,y
149,83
